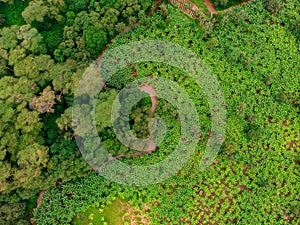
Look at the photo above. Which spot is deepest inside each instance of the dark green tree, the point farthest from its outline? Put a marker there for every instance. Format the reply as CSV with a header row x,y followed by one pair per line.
x,y
95,39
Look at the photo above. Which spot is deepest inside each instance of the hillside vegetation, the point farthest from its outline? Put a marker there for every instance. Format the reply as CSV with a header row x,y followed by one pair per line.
x,y
253,51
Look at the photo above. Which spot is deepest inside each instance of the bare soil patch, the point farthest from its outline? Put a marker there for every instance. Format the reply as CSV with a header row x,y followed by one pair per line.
x,y
188,7
210,6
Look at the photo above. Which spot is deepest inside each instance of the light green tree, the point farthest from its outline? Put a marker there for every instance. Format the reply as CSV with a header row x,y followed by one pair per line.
x,y
37,10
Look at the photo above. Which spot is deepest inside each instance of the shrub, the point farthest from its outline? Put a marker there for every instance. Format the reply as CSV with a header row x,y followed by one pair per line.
x,y
272,5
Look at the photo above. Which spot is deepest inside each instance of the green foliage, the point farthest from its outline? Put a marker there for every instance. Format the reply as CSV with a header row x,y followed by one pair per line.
x,y
229,148
11,12
94,27
53,37
37,10
25,135
140,118
241,109
253,50
272,5
13,212
122,78
115,211
94,191
223,4
94,39
253,131
103,109
256,166
2,19
76,5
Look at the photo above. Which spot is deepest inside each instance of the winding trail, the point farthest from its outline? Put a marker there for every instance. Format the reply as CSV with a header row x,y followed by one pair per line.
x,y
210,6
150,90
38,201
190,8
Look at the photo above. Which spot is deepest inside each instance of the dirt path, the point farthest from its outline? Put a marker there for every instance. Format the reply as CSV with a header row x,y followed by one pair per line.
x,y
38,201
150,90
188,7
210,6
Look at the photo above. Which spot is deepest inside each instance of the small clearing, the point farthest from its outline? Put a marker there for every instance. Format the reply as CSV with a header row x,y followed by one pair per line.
x,y
119,212
188,7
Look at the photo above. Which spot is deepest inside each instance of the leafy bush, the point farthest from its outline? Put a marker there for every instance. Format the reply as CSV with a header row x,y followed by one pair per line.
x,y
272,5
94,39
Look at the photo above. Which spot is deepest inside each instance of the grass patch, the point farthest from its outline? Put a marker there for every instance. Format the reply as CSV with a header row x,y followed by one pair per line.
x,y
12,12
92,215
119,212
110,214
114,212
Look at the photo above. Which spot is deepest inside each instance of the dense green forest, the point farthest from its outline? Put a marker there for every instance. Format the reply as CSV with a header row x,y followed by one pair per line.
x,y
252,49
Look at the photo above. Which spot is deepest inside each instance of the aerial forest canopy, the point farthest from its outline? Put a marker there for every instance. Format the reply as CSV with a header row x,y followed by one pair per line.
x,y
251,48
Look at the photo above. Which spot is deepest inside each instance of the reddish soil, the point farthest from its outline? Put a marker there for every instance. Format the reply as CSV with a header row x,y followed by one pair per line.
x,y
210,6
58,182
38,201
191,9
150,90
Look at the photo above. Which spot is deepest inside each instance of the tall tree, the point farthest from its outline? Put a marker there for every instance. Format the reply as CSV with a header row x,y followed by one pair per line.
x,y
37,10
